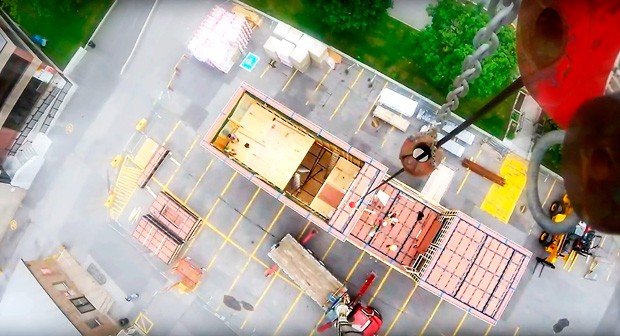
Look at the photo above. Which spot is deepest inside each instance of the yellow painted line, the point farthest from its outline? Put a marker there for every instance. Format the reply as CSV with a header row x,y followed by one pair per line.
x,y
568,260
303,230
199,180
430,318
249,260
248,254
319,85
289,80
260,299
340,104
239,220
171,132
357,78
370,110
143,323
602,241
157,181
329,249
217,201
516,332
486,332
458,327
265,71
573,262
387,274
474,159
288,313
609,273
386,136
402,308
182,160
357,262
549,192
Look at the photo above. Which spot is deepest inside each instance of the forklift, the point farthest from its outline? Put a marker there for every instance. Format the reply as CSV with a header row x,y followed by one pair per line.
x,y
567,245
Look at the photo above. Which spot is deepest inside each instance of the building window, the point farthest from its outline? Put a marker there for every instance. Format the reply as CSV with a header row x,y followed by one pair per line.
x,y
82,305
93,323
60,286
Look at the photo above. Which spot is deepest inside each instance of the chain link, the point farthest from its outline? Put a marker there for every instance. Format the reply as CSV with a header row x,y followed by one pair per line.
x,y
485,44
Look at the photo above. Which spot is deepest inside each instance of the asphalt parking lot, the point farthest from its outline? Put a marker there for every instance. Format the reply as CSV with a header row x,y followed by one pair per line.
x,y
241,222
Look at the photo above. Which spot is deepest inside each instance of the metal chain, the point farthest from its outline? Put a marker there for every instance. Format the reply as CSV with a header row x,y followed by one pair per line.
x,y
485,44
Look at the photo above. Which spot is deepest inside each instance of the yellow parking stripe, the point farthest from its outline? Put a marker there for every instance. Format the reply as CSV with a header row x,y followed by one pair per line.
x,y
289,80
320,83
387,274
256,248
402,308
488,330
288,313
370,110
430,318
458,327
199,180
239,220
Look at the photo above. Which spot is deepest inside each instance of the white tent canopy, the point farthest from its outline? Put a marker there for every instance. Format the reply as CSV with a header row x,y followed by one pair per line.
x,y
397,102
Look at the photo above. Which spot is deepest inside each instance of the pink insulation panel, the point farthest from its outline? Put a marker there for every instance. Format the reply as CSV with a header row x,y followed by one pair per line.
x,y
476,267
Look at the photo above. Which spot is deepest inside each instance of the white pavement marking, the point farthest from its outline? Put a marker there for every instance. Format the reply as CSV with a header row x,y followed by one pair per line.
x,y
146,22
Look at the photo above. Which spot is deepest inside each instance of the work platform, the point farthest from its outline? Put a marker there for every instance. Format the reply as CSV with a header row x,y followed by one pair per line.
x,y
324,179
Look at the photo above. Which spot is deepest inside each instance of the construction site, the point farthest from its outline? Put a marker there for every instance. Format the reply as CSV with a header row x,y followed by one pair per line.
x,y
257,190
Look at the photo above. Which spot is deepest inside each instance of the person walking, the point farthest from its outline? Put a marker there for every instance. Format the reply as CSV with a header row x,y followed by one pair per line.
x,y
132,297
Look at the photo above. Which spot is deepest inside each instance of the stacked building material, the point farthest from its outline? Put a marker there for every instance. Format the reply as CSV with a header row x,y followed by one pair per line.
x,y
221,39
157,239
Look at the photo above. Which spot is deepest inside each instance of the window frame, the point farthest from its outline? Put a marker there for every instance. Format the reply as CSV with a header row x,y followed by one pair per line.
x,y
82,307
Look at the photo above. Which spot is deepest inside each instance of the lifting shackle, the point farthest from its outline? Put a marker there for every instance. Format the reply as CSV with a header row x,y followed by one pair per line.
x,y
566,52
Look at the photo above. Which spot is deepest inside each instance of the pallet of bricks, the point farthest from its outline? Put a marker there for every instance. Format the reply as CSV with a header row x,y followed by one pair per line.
x,y
167,227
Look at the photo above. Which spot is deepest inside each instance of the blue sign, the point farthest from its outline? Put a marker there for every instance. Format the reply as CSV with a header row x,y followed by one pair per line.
x,y
249,62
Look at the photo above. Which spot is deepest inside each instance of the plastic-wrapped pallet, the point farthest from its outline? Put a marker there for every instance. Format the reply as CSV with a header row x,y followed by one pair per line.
x,y
293,36
300,58
281,30
284,50
306,41
270,46
318,52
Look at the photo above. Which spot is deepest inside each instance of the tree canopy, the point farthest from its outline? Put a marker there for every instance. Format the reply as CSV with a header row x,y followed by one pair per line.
x,y
351,15
443,45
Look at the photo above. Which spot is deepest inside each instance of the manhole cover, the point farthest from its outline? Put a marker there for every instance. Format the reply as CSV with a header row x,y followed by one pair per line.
x,y
69,128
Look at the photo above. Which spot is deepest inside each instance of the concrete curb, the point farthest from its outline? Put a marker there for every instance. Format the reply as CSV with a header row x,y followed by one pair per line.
x,y
102,20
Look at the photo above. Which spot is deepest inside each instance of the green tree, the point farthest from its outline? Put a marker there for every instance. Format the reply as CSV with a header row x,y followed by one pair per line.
x,y
351,15
443,45
42,7
553,156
